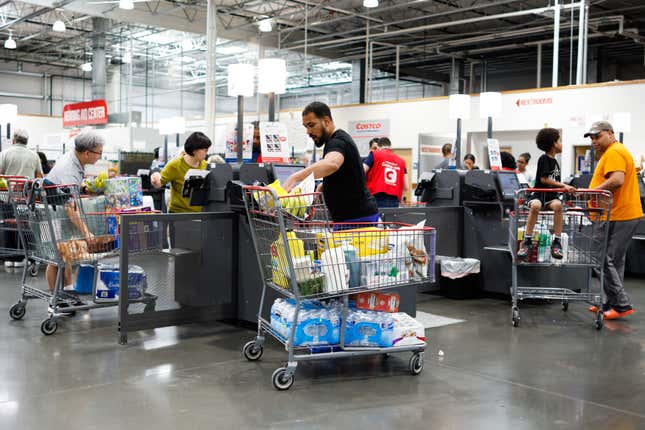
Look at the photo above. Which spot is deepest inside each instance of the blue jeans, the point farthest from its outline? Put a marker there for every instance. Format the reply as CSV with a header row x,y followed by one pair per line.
x,y
347,224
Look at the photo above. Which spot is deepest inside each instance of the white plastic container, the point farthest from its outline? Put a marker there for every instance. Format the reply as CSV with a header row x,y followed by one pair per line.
x,y
335,269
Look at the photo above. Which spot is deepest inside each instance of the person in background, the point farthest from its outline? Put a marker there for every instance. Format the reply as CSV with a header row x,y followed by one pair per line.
x,y
257,145
373,146
469,162
386,175
508,161
155,165
174,172
446,151
17,160
548,176
616,173
44,162
341,169
523,175
70,169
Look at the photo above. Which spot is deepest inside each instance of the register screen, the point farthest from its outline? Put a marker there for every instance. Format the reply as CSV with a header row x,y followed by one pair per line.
x,y
508,183
282,171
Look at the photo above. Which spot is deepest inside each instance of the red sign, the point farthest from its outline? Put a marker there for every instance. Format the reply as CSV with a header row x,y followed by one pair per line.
x,y
534,101
85,113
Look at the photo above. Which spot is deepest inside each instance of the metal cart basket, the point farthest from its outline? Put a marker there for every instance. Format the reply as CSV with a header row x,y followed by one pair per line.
x,y
12,246
303,256
585,218
55,230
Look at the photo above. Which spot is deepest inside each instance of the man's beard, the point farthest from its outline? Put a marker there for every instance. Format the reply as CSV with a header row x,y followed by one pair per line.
x,y
323,139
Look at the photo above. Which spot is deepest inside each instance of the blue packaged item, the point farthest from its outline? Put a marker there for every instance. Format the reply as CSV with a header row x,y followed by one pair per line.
x,y
369,328
107,284
84,279
113,229
317,325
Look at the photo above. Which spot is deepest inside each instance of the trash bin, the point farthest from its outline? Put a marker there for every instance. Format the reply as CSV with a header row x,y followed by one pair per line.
x,y
460,277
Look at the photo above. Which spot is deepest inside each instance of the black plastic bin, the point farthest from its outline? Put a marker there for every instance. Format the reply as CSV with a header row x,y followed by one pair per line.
x,y
464,281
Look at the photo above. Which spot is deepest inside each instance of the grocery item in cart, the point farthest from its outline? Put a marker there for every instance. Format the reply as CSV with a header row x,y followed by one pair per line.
x,y
407,330
369,328
334,267
279,261
316,325
123,193
367,241
107,284
374,301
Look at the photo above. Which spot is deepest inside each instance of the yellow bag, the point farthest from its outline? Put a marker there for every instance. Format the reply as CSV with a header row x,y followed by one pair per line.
x,y
368,241
279,262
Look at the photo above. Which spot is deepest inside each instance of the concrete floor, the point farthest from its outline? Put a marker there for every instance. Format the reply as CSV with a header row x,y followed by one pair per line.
x,y
555,371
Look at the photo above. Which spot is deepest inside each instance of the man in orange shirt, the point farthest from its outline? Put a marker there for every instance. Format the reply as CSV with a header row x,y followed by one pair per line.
x,y
616,172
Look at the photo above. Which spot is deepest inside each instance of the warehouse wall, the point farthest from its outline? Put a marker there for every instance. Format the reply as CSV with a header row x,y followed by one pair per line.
x,y
567,110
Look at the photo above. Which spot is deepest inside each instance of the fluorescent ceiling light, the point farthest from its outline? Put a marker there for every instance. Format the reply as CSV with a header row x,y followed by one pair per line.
x,y
126,4
370,3
86,67
265,25
127,58
59,26
10,43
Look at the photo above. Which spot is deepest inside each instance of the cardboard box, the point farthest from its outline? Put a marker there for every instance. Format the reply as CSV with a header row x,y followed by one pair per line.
x,y
384,302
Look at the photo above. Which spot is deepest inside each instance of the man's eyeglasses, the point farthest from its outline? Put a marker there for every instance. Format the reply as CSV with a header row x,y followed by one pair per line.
x,y
94,152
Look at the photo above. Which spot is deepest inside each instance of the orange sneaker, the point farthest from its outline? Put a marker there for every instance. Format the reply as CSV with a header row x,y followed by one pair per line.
x,y
613,314
593,309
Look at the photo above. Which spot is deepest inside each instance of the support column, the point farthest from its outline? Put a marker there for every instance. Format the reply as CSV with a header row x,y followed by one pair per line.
x,y
538,83
113,89
456,76
592,74
211,68
556,43
581,43
98,58
484,78
358,81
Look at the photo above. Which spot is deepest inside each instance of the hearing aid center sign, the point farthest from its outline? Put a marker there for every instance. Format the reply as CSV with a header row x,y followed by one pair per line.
x,y
274,142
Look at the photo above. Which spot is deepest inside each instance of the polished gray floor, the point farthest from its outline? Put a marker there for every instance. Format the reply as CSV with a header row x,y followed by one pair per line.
x,y
555,371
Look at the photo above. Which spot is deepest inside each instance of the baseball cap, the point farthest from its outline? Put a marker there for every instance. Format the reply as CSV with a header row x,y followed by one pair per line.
x,y
599,126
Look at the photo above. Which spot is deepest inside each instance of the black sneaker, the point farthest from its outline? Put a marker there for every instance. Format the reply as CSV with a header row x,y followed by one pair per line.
x,y
525,249
556,249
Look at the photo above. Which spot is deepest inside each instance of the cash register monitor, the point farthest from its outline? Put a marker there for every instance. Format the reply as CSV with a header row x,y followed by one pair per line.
x,y
282,171
508,184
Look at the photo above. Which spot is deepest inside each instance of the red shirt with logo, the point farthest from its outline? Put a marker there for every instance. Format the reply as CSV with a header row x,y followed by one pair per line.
x,y
387,174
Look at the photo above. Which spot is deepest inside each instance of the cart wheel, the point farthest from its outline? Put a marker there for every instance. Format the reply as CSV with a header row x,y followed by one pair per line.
x,y
600,319
416,363
49,326
17,311
516,317
251,351
565,306
386,356
33,269
281,380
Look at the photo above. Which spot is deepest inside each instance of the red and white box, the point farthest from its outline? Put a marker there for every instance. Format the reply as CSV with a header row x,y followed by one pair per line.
x,y
384,302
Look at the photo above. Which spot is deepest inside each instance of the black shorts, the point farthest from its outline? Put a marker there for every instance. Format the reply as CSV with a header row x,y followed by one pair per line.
x,y
544,198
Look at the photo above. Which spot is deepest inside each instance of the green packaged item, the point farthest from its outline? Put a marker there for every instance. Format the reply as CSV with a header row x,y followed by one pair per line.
x,y
312,285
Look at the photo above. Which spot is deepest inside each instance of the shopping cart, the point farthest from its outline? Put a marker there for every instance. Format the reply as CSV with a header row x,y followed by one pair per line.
x,y
585,215
12,246
303,256
55,230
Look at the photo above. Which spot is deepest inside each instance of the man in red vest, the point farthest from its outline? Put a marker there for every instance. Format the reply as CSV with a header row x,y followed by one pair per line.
x,y
386,175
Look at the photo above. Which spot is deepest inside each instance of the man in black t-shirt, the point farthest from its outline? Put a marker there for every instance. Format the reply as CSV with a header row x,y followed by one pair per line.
x,y
341,168
547,176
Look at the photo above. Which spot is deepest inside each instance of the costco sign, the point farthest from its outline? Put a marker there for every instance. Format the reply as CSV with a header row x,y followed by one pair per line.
x,y
536,101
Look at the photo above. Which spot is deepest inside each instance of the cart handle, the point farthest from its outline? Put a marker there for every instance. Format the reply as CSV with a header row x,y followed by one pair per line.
x,y
562,190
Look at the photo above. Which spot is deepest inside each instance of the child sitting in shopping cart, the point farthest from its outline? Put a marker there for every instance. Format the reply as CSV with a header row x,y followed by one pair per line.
x,y
547,176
